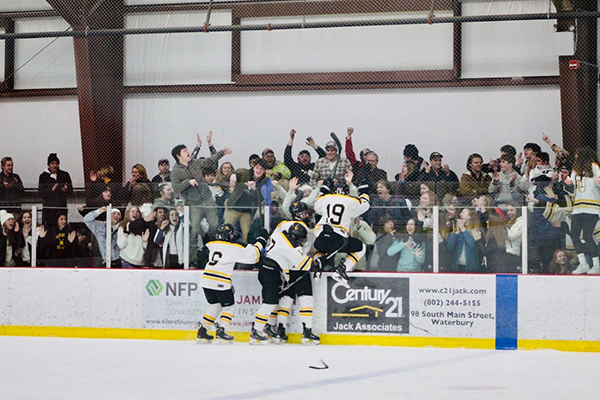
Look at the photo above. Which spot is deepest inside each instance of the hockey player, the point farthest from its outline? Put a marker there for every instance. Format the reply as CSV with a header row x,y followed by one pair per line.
x,y
337,210
300,214
286,263
224,252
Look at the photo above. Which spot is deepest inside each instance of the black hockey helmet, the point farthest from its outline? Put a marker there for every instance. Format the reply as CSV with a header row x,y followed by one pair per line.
x,y
299,211
341,188
228,233
298,233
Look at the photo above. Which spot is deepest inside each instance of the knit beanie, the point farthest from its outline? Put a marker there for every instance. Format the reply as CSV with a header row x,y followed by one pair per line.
x,y
5,216
53,157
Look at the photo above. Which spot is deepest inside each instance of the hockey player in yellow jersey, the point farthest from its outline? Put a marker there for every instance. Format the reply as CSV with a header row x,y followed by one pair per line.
x,y
337,210
285,266
224,252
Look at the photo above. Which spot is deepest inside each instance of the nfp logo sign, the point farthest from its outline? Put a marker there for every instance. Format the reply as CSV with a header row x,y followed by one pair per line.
x,y
154,287
376,305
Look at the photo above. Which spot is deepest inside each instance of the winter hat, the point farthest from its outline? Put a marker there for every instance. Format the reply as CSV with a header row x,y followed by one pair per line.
x,y
5,216
53,157
410,150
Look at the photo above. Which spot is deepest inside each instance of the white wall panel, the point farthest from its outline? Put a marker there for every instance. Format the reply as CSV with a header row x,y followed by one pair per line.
x,y
24,5
452,121
31,129
374,48
186,58
508,49
54,66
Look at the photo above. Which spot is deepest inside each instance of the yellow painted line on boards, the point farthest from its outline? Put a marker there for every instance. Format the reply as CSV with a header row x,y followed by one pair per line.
x,y
562,345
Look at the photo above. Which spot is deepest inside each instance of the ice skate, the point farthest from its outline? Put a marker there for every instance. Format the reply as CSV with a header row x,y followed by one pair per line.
x,y
308,337
203,337
341,271
222,336
257,337
280,337
271,330
595,270
582,269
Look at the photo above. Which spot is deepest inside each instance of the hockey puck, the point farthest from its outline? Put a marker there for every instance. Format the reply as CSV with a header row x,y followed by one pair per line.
x,y
324,366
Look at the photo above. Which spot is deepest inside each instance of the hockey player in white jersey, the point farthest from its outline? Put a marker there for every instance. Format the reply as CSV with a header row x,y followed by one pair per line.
x,y
285,262
224,252
337,210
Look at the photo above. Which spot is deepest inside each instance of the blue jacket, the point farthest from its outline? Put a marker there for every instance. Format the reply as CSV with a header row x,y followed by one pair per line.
x,y
408,261
456,242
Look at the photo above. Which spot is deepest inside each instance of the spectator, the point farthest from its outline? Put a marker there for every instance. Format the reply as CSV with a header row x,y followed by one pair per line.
x,y
152,253
411,155
443,179
411,247
165,197
223,174
274,169
540,165
530,150
11,187
331,166
514,234
408,180
82,249
256,225
138,190
56,243
385,203
495,244
303,168
465,244
380,260
164,173
449,214
242,204
54,187
188,182
252,160
560,264
563,157
505,184
494,164
25,224
132,238
170,237
10,240
96,223
545,236
356,164
475,182
370,173
103,182
585,186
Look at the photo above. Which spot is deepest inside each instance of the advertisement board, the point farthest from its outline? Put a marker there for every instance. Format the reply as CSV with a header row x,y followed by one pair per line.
x,y
417,305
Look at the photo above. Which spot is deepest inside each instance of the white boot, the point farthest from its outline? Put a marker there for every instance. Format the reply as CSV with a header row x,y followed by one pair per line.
x,y
583,265
596,268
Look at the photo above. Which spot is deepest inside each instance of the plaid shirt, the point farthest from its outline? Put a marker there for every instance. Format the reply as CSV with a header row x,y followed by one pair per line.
x,y
323,170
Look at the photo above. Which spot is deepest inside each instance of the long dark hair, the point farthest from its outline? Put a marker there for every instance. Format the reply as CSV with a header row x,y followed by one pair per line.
x,y
584,158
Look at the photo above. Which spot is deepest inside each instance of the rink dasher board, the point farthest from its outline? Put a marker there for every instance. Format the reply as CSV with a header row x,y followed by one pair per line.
x,y
393,309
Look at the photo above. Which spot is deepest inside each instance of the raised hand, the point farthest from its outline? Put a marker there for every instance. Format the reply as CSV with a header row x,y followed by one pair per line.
x,y
146,235
43,231
311,142
293,184
292,134
227,150
349,132
209,138
71,236
348,177
198,140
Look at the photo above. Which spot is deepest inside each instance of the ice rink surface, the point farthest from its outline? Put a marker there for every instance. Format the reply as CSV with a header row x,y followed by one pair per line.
x,y
60,368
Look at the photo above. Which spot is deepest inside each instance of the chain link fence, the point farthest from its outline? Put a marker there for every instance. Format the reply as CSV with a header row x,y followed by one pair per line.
x,y
460,117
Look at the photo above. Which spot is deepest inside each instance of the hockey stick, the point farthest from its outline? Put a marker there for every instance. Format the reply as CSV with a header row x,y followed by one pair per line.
x,y
339,148
325,366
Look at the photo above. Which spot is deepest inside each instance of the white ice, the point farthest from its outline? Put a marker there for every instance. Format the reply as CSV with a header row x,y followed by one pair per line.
x,y
60,368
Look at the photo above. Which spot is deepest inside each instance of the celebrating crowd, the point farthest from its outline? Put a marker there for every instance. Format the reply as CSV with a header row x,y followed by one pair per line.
x,y
480,222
